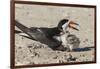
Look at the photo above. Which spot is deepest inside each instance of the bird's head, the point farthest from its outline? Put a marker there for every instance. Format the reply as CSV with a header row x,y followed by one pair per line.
x,y
65,23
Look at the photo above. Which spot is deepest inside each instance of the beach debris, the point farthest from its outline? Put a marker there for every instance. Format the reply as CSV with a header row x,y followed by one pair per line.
x,y
61,61
70,58
55,57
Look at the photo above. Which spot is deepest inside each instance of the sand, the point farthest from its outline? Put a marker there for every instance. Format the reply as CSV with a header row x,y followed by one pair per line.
x,y
29,51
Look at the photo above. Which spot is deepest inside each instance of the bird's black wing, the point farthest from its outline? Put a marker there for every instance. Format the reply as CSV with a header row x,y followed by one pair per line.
x,y
34,33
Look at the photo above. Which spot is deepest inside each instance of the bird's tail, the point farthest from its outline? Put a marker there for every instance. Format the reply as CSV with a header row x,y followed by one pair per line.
x,y
25,29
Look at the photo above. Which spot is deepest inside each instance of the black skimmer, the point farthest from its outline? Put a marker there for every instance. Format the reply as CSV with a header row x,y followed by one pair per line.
x,y
53,37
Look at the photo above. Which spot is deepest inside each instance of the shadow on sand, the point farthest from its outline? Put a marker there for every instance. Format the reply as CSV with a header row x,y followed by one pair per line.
x,y
83,49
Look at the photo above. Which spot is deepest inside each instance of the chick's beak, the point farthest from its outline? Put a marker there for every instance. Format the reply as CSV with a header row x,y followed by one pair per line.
x,y
73,25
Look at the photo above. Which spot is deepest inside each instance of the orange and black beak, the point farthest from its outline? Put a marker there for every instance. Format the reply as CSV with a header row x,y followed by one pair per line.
x,y
72,25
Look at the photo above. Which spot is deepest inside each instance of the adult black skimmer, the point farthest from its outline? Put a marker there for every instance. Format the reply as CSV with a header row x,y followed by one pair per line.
x,y
49,36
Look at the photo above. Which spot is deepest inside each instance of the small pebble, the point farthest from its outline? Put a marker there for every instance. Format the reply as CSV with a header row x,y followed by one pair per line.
x,y
60,61
19,47
55,57
29,46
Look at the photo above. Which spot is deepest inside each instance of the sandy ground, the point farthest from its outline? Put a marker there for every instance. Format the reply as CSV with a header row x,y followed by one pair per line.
x,y
32,52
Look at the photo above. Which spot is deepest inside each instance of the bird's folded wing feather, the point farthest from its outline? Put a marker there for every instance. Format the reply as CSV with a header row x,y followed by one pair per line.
x,y
35,34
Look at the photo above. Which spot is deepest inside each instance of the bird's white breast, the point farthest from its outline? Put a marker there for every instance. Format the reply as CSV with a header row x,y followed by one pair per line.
x,y
64,39
57,38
